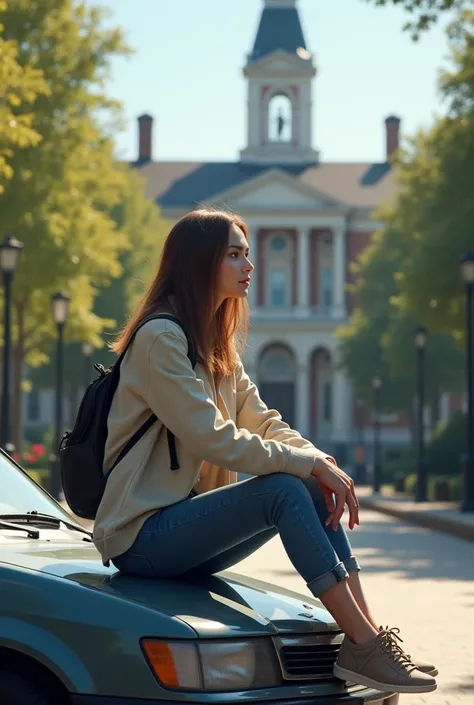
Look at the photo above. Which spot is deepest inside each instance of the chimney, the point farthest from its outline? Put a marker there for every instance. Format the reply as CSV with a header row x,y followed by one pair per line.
x,y
145,135
392,127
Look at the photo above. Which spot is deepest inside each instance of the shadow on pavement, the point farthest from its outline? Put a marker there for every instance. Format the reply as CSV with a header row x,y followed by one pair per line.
x,y
414,552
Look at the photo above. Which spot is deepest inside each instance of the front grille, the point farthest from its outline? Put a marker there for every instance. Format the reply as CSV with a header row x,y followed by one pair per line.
x,y
309,658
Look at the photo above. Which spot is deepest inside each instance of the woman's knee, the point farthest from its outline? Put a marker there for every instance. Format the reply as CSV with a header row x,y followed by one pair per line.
x,y
283,483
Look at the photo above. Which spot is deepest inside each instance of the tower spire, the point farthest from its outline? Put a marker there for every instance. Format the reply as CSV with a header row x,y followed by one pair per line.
x,y
280,74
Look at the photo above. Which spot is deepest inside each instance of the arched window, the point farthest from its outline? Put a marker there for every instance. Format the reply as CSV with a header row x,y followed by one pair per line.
x,y
278,258
277,365
280,119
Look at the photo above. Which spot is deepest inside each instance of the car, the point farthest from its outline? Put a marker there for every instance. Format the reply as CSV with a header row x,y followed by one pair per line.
x,y
73,632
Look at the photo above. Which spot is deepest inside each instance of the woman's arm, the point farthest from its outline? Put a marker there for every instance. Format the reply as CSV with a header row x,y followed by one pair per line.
x,y
178,398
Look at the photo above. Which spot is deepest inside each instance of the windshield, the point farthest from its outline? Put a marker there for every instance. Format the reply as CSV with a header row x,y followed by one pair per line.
x,y
19,494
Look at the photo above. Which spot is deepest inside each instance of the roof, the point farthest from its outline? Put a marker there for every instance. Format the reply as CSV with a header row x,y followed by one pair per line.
x,y
279,29
185,185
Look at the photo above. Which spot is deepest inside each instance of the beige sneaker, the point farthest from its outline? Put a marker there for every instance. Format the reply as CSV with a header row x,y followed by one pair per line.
x,y
381,663
423,666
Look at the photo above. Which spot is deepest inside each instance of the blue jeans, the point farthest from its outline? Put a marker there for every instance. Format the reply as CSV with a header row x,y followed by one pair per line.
x,y
208,533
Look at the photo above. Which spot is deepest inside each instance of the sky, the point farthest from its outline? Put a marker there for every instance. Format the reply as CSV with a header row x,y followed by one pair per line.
x,y
187,72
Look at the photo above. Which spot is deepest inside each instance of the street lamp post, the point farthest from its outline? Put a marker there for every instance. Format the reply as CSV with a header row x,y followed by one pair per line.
x,y
377,478
419,339
87,350
360,470
467,269
60,304
10,251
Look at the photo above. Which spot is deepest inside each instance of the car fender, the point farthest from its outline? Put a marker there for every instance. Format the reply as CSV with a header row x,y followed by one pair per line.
x,y
46,648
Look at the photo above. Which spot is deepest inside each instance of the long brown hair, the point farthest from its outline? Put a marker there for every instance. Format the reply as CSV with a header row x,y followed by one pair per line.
x,y
188,272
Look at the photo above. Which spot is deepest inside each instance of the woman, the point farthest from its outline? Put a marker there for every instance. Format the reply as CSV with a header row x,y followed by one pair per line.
x,y
155,521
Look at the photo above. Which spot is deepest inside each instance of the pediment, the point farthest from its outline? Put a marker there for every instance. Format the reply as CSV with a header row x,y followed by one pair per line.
x,y
277,191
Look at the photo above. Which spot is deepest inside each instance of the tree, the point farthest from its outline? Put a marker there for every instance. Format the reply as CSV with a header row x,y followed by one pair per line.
x,y
425,12
141,220
19,88
435,208
62,191
379,337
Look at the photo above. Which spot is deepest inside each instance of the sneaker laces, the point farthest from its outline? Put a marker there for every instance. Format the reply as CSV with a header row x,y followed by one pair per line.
x,y
390,639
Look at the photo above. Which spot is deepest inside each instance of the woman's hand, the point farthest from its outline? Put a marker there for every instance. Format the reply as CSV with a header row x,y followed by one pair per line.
x,y
334,481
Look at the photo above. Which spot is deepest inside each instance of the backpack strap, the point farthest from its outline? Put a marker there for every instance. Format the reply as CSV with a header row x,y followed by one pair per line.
x,y
192,355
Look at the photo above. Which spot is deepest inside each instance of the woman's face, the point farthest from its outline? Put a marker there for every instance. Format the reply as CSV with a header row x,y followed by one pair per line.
x,y
235,269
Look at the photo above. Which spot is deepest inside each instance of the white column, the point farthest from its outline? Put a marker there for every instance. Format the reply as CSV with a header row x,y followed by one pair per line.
x,y
302,399
339,273
341,406
253,247
303,267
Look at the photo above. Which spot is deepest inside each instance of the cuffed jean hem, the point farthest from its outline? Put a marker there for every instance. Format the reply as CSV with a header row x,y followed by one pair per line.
x,y
351,564
328,580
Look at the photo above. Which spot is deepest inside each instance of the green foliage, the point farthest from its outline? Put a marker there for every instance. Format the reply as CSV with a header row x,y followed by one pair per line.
x,y
146,231
455,486
410,274
435,208
20,85
425,13
444,450
379,337
62,190
447,445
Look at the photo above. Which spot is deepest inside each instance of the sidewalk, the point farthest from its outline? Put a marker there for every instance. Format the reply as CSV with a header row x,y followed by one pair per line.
x,y
440,516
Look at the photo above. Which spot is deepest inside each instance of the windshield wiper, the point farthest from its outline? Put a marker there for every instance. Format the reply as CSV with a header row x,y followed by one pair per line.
x,y
32,533
35,517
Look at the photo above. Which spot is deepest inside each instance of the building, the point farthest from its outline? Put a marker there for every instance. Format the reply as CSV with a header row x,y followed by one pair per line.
x,y
309,219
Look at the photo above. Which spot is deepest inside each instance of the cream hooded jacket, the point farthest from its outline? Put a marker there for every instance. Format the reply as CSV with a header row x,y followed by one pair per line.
x,y
218,433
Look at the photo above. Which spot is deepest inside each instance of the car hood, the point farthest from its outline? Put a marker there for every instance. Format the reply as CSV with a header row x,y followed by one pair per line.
x,y
222,606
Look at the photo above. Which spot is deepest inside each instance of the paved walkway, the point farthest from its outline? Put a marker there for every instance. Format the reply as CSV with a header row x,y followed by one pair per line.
x,y
439,516
419,580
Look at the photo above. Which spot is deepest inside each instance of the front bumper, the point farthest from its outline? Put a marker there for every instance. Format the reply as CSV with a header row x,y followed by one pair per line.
x,y
365,697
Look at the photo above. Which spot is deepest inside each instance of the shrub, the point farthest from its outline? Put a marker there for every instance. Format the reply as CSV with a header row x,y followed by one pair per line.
x,y
403,464
455,486
447,445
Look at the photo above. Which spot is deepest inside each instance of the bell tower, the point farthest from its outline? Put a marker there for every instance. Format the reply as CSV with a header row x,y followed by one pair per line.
x,y
280,73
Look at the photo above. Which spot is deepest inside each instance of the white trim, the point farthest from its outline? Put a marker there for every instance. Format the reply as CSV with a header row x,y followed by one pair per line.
x,y
277,176
303,267
339,273
253,247
302,393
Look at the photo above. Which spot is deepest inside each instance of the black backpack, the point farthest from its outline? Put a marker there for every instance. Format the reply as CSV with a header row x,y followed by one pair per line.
x,y
81,452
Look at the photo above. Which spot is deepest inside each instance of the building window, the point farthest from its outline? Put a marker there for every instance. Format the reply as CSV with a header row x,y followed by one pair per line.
x,y
280,119
33,406
276,365
278,243
327,401
279,287
327,287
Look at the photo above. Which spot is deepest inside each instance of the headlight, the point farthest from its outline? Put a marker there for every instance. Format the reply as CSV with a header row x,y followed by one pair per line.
x,y
213,665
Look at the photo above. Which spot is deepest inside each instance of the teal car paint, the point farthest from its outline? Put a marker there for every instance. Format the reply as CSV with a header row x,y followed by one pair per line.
x,y
72,630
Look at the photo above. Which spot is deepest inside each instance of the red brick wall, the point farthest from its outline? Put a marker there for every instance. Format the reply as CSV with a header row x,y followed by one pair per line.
x,y
356,242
